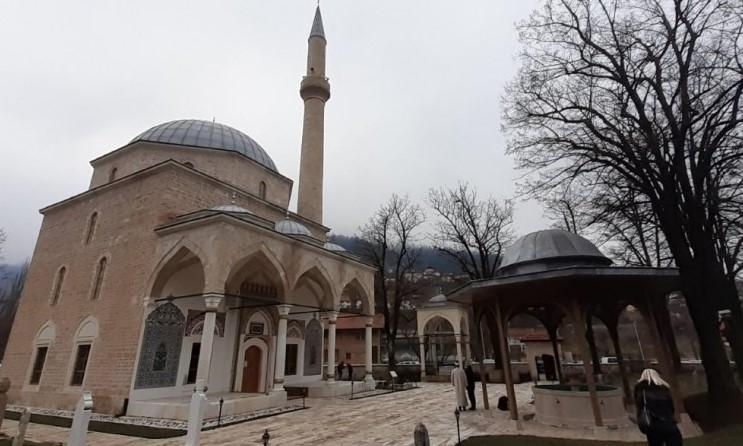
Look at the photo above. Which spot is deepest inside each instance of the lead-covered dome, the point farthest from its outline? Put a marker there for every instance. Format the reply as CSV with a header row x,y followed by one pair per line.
x,y
548,249
209,135
291,227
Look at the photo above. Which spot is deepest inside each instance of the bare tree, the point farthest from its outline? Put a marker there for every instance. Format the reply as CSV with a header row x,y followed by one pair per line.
x,y
471,231
647,92
10,295
388,243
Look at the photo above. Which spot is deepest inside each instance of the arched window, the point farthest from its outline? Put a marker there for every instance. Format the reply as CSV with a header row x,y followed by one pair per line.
x,y
97,284
112,174
84,339
91,227
57,290
262,190
44,339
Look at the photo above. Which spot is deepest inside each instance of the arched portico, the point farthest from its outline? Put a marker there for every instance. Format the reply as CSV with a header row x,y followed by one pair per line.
x,y
441,323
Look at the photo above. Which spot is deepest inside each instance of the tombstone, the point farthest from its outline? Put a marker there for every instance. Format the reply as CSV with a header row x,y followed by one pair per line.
x,y
420,435
196,414
4,386
503,403
550,367
22,426
80,421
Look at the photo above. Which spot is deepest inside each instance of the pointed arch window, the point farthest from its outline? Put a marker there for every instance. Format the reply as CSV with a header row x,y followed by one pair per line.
x,y
99,273
59,281
262,190
92,222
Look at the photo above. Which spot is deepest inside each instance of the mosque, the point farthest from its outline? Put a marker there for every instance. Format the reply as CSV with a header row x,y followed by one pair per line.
x,y
182,267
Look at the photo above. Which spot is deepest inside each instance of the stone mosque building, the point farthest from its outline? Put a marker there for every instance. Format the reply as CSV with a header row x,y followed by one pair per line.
x,y
180,267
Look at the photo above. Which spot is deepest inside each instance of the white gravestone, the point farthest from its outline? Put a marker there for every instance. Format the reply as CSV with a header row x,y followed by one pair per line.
x,y
22,426
196,414
79,429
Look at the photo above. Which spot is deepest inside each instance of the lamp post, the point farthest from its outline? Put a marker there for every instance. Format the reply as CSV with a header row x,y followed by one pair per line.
x,y
456,415
265,438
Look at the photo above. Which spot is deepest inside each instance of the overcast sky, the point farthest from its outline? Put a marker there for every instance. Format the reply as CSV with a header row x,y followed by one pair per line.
x,y
416,88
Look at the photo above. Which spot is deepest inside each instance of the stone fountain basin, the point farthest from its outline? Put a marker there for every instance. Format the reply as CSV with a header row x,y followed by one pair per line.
x,y
569,406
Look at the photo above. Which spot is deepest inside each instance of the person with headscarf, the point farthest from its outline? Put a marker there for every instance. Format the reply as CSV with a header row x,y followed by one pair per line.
x,y
459,381
655,411
470,385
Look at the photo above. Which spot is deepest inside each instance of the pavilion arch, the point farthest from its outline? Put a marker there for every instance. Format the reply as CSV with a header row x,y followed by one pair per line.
x,y
353,291
183,256
313,288
260,267
438,324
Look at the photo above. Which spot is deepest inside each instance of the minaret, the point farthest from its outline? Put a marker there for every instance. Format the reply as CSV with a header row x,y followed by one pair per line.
x,y
315,91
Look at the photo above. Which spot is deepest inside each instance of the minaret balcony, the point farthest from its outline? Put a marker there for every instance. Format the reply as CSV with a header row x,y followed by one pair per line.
x,y
315,87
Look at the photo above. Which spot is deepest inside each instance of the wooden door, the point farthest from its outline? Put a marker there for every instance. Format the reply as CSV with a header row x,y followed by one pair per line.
x,y
252,370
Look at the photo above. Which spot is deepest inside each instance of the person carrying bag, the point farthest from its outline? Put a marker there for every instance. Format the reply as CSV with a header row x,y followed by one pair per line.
x,y
655,411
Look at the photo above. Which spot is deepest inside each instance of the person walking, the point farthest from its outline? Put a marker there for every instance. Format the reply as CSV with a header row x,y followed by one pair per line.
x,y
470,374
341,366
459,381
655,411
350,371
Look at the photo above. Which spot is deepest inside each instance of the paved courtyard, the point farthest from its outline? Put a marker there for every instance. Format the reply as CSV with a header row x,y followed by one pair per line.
x,y
380,420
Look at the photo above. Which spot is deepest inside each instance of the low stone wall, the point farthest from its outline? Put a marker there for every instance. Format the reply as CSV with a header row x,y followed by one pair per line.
x,y
570,406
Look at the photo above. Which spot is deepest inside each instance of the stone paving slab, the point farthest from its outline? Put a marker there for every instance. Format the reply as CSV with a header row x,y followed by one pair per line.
x,y
381,420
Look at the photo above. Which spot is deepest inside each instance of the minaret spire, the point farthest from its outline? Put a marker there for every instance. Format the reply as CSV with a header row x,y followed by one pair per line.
x,y
315,91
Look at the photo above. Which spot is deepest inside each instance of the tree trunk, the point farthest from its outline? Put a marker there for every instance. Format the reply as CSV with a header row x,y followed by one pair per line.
x,y
698,288
391,363
734,332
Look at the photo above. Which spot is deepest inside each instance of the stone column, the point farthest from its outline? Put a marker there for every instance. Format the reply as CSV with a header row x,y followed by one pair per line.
x,y
207,341
278,380
332,318
422,340
579,323
460,359
369,378
506,361
467,349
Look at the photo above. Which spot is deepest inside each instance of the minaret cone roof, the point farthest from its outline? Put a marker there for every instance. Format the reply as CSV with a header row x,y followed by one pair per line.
x,y
317,29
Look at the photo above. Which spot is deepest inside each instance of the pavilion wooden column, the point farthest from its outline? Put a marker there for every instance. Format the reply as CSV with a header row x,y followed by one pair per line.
x,y
506,360
552,331
207,342
278,381
613,328
664,359
579,322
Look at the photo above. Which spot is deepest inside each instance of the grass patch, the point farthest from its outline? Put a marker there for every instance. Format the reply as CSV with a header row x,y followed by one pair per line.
x,y
731,436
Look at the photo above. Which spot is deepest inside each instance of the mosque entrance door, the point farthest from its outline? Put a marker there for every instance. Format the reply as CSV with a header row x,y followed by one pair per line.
x,y
252,370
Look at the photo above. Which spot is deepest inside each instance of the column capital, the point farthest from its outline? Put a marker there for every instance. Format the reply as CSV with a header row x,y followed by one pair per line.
x,y
284,310
212,302
369,321
332,316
